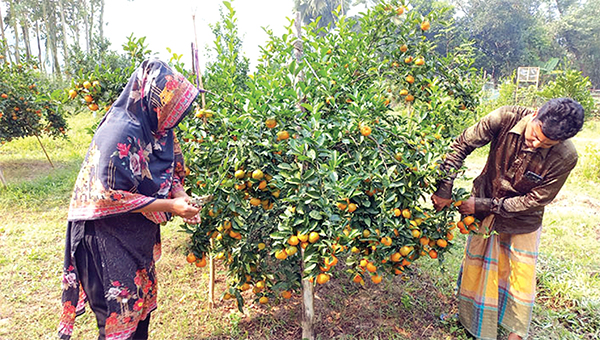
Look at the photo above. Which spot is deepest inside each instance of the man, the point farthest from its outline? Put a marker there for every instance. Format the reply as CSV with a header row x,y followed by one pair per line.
x,y
529,160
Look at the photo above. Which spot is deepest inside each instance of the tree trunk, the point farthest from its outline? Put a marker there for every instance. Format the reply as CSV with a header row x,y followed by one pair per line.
x,y
64,31
101,21
16,30
86,25
37,36
26,40
4,41
91,27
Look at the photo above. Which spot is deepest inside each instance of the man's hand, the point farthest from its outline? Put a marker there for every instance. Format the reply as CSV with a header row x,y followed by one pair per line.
x,y
467,207
440,203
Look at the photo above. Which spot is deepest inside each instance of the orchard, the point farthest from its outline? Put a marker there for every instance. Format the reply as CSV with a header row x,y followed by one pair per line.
x,y
25,108
329,154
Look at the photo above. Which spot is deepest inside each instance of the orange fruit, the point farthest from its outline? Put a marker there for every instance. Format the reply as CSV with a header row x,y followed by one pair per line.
x,y
93,107
425,25
201,262
323,278
291,250
406,213
424,240
408,60
88,98
72,94
449,236
357,278
313,237
371,267
331,263
191,258
341,206
376,279
420,61
262,185
405,250
365,130
283,135
403,92
263,300
302,237
87,84
410,79
397,212
255,201
409,98
403,48
441,243
386,240
261,246
416,233
281,254
395,257
271,123
352,207
400,10
293,240
433,254
240,174
468,220
286,294
257,174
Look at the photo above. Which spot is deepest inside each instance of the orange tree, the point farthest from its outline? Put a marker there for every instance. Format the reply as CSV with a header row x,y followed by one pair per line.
x,y
97,80
27,105
329,155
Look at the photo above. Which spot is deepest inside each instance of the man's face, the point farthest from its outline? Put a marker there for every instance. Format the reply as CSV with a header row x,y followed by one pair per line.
x,y
534,137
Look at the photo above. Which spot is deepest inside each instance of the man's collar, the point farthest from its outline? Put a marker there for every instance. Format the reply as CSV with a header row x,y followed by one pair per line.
x,y
519,129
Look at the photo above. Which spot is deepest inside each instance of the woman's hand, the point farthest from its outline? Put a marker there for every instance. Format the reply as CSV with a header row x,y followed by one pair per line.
x,y
181,207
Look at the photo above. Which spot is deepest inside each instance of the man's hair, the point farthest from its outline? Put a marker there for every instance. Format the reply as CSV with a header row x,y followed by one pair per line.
x,y
561,118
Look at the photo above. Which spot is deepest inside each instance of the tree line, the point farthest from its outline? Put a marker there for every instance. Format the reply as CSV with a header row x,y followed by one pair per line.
x,y
504,34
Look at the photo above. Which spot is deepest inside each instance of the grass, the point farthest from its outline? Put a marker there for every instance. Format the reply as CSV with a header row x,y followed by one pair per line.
x,y
34,208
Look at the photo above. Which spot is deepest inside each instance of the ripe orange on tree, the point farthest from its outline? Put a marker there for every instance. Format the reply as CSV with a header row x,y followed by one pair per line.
x,y
270,123
323,278
283,135
376,278
468,220
365,130
441,243
352,207
313,237
425,25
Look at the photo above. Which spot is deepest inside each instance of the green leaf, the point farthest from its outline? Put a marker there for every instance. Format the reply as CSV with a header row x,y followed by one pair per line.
x,y
315,215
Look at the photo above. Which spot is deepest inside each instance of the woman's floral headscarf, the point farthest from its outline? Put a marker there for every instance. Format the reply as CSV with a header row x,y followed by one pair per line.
x,y
134,157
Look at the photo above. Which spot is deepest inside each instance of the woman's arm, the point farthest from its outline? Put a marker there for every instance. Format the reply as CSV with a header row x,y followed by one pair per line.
x,y
178,206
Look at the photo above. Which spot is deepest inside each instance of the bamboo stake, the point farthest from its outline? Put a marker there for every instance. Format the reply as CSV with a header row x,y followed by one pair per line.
x,y
2,178
196,66
308,296
43,148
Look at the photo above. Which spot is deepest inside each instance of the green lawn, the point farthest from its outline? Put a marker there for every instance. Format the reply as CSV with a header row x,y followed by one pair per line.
x,y
34,209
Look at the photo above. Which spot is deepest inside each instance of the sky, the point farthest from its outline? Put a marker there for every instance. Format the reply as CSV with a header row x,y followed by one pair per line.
x,y
172,25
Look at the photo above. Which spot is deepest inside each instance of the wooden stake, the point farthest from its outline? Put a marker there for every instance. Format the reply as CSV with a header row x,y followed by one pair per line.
x,y
196,67
2,178
43,148
308,296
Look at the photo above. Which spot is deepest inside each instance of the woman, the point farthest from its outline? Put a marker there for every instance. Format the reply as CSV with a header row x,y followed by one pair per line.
x,y
130,181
